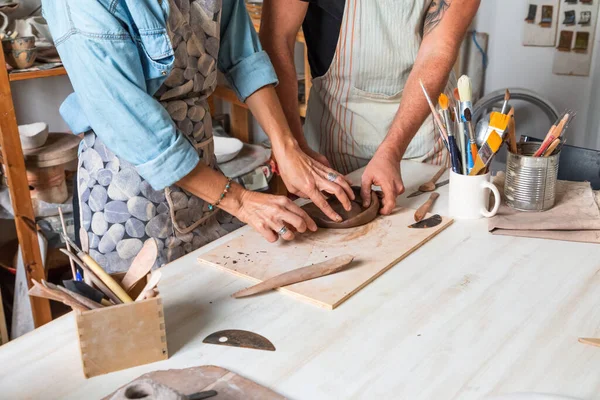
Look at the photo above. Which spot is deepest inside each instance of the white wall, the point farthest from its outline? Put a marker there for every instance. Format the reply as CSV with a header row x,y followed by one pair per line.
x,y
513,65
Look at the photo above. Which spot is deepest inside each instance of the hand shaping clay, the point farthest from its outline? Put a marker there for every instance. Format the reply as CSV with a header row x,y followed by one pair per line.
x,y
357,216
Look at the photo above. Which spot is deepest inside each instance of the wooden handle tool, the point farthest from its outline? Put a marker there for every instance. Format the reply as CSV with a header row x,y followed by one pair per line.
x,y
141,265
424,209
298,275
430,186
101,273
552,147
40,290
91,304
512,132
64,229
152,283
93,278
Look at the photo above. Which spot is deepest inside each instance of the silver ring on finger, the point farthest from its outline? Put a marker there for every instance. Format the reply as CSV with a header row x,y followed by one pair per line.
x,y
331,177
282,231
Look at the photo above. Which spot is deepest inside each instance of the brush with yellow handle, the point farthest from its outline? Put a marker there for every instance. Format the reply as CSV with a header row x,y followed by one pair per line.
x,y
498,124
100,273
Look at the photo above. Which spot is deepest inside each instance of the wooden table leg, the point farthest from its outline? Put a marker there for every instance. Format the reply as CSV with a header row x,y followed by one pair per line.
x,y
14,162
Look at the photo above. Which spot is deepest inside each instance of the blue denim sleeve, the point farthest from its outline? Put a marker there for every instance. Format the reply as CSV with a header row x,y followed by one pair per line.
x,y
241,57
106,71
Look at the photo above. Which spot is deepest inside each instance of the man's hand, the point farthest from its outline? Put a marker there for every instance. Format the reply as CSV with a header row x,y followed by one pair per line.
x,y
318,157
383,170
305,177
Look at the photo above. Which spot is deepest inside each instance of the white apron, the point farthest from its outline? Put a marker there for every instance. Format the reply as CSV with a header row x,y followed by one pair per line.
x,y
352,106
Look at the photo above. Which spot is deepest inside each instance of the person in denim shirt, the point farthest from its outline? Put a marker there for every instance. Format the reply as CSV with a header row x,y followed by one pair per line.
x,y
142,71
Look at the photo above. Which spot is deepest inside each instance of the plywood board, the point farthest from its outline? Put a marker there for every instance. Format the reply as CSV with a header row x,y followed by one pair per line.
x,y
576,61
535,34
228,385
376,247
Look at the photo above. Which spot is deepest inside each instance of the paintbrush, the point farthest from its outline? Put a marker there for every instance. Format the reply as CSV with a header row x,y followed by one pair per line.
x,y
466,96
436,117
554,133
64,229
473,145
454,156
498,124
462,142
506,99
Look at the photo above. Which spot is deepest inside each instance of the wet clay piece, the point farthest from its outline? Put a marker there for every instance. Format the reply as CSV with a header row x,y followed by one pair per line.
x,y
357,216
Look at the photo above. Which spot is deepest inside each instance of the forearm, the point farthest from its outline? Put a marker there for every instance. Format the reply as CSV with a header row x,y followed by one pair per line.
x,y
265,107
281,52
208,184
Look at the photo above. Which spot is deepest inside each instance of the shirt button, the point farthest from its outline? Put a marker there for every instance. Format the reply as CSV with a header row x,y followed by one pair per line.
x,y
164,73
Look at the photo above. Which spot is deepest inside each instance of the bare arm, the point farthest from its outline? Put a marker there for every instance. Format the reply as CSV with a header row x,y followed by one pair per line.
x,y
444,28
280,23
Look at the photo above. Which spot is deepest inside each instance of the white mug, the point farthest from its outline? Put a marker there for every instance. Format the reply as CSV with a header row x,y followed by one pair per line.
x,y
470,196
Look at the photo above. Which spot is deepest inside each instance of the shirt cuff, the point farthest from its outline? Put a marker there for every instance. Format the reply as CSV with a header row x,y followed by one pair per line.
x,y
71,112
251,74
171,165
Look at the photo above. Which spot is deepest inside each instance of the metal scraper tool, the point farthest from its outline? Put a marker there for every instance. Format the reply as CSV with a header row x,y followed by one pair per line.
x,y
430,222
239,338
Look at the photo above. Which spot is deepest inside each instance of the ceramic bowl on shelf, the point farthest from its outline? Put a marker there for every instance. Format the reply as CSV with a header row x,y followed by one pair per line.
x,y
33,135
226,148
21,59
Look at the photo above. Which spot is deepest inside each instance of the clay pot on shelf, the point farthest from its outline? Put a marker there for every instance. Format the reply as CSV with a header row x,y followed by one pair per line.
x,y
19,43
21,59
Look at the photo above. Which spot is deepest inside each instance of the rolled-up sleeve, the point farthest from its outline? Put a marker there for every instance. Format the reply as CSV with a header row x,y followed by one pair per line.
x,y
241,58
112,95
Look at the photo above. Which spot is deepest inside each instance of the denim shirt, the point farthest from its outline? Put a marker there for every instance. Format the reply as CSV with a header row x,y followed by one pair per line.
x,y
117,54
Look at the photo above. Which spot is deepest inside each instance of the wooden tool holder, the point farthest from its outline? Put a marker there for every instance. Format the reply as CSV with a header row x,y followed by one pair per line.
x,y
122,336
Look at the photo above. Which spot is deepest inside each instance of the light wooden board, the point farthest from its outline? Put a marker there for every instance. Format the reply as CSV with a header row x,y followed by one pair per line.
x,y
376,247
533,33
227,384
3,330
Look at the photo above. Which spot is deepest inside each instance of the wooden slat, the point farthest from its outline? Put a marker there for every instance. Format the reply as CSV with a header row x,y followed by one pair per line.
x,y
3,330
21,76
12,154
240,123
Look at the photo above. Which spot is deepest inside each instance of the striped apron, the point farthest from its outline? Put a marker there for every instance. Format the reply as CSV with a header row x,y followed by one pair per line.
x,y
352,106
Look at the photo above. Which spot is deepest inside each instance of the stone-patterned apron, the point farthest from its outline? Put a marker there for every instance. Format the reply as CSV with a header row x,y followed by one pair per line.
x,y
118,208
352,106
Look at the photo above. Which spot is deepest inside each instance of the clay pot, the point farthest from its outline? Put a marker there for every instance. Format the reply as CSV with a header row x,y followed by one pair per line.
x,y
357,216
20,43
21,59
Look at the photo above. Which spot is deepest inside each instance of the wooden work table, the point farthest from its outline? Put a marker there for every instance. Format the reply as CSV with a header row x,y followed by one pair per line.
x,y
467,315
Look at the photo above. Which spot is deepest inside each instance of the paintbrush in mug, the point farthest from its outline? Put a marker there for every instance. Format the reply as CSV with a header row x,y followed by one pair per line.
x,y
462,142
436,117
454,156
466,96
495,136
473,145
506,99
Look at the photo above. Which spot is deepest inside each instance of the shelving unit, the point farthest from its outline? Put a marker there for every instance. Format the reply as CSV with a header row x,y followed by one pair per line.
x,y
14,167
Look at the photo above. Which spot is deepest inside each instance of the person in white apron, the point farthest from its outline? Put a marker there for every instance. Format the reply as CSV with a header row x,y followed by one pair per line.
x,y
366,107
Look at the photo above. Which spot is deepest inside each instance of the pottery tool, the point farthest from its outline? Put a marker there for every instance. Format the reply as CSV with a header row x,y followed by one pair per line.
x,y
590,341
498,125
512,132
141,265
202,395
239,338
437,186
552,147
452,147
86,290
64,229
462,142
426,207
554,133
506,99
430,222
151,284
94,279
39,290
436,117
429,186
148,294
318,270
92,305
473,145
85,247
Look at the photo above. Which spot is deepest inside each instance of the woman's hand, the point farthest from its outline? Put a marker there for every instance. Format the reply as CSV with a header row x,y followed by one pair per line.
x,y
267,214
306,177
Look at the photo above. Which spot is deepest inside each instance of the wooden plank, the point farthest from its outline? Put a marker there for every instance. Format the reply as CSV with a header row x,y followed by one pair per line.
x,y
3,329
21,76
376,247
240,123
12,154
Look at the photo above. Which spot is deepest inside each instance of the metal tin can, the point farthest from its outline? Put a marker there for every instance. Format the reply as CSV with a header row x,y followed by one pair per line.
x,y
530,181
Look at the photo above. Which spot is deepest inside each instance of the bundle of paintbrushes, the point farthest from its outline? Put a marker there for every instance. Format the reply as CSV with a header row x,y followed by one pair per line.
x,y
458,133
104,290
555,138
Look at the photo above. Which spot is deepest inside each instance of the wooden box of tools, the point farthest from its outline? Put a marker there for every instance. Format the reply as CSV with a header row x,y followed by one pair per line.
x,y
122,336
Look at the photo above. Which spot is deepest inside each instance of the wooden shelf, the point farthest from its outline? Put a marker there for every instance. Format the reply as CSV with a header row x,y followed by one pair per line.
x,y
21,76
